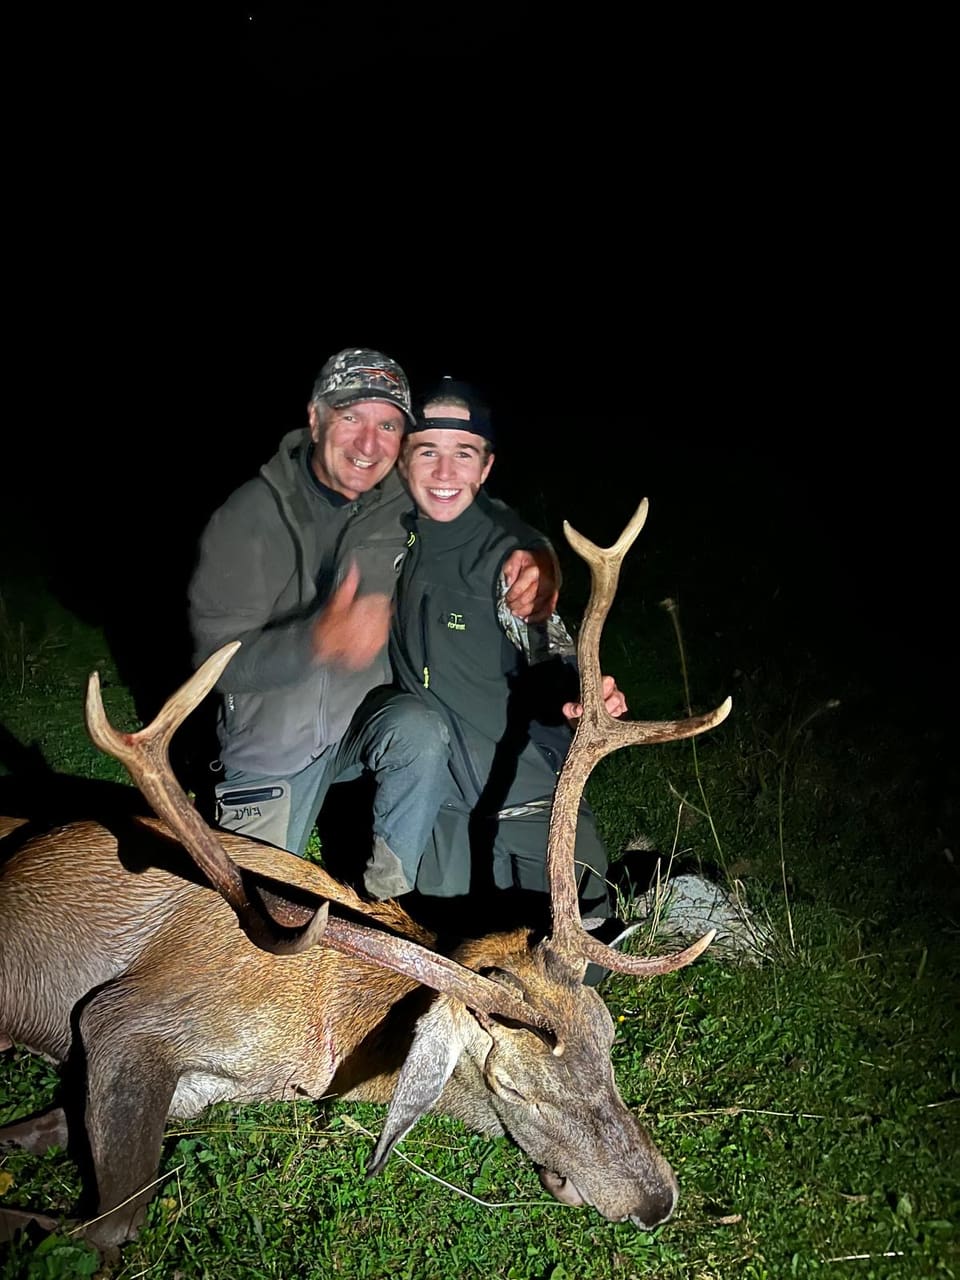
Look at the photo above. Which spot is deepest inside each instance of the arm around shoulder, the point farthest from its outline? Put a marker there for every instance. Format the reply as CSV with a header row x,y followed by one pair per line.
x,y
532,571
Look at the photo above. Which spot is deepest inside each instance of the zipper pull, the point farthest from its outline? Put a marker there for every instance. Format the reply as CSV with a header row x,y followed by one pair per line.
x,y
426,677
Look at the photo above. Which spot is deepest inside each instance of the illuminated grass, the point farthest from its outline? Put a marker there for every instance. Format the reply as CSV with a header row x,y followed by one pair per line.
x,y
810,1106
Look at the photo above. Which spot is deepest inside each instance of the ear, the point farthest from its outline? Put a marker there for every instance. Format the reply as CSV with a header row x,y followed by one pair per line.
x,y
313,417
403,458
440,1036
487,467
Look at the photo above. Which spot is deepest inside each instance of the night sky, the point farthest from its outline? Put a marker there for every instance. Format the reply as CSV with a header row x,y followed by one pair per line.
x,y
679,265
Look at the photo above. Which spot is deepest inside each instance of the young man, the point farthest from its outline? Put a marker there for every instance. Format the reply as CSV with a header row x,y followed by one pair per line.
x,y
498,692
300,565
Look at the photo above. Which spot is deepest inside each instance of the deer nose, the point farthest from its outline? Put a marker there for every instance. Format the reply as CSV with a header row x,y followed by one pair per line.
x,y
656,1208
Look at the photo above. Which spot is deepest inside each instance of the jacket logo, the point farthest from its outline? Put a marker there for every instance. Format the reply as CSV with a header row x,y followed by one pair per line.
x,y
455,622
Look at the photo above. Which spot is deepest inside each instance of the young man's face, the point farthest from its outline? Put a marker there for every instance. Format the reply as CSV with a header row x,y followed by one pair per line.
x,y
443,470
356,445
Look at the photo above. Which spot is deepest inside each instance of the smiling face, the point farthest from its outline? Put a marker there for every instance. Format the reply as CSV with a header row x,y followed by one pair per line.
x,y
444,470
355,445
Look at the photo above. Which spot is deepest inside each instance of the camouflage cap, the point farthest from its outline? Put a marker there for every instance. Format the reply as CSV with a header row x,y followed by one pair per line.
x,y
358,373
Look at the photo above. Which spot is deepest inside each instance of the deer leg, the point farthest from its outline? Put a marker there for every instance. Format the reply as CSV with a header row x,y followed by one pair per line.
x,y
131,1077
37,1133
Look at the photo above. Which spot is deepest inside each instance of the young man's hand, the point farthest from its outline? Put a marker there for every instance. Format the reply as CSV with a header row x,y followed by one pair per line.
x,y
613,700
533,583
351,630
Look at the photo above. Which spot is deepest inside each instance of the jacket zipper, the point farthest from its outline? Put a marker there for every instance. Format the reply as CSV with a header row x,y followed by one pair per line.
x,y
451,720
423,641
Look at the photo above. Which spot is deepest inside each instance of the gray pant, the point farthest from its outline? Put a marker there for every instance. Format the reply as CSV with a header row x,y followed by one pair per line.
x,y
390,733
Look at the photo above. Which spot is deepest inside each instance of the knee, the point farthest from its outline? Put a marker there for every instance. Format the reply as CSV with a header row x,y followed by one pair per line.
x,y
412,733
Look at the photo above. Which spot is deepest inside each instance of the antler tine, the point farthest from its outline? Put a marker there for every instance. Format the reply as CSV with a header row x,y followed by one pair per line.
x,y
283,926
604,566
597,735
642,966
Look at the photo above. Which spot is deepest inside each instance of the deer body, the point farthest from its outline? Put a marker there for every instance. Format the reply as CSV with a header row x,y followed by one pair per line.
x,y
152,923
166,989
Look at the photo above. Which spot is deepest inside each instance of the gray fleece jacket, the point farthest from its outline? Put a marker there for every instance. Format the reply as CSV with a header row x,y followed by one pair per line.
x,y
268,559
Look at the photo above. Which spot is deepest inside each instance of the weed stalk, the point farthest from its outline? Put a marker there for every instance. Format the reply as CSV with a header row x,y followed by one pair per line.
x,y
671,608
793,735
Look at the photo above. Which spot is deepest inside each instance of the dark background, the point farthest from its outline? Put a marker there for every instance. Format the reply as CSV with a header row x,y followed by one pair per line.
x,y
694,259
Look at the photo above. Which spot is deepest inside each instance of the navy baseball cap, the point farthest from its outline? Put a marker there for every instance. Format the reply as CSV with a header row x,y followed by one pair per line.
x,y
451,391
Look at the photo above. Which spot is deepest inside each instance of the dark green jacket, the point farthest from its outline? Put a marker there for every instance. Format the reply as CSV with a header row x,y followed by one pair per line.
x,y
508,736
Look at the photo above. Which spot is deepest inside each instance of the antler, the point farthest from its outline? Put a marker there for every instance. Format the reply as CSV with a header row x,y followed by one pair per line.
x,y
272,922
597,735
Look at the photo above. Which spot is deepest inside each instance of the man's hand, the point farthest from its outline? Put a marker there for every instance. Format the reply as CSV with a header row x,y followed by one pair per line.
x,y
613,700
533,583
350,631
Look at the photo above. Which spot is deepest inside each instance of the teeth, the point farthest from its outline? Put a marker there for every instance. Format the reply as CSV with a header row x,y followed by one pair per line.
x,y
359,462
444,493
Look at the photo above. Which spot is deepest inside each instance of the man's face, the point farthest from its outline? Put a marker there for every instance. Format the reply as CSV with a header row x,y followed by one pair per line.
x,y
443,470
356,445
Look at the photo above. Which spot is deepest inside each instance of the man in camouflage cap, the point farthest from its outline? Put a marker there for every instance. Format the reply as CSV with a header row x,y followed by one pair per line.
x,y
300,564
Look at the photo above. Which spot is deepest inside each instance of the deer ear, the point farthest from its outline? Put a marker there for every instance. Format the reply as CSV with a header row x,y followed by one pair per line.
x,y
439,1037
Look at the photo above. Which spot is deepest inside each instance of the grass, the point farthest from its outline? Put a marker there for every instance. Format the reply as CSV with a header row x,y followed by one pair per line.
x,y
810,1106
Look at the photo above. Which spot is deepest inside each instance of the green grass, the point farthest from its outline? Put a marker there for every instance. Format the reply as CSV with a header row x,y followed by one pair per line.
x,y
810,1106
46,655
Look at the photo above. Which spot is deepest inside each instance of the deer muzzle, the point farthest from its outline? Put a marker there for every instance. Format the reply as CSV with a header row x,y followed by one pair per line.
x,y
648,1207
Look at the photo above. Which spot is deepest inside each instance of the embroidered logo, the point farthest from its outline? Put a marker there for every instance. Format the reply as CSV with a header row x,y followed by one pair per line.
x,y
455,622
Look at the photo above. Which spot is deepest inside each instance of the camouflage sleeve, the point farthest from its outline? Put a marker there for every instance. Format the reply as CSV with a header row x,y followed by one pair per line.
x,y
537,641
